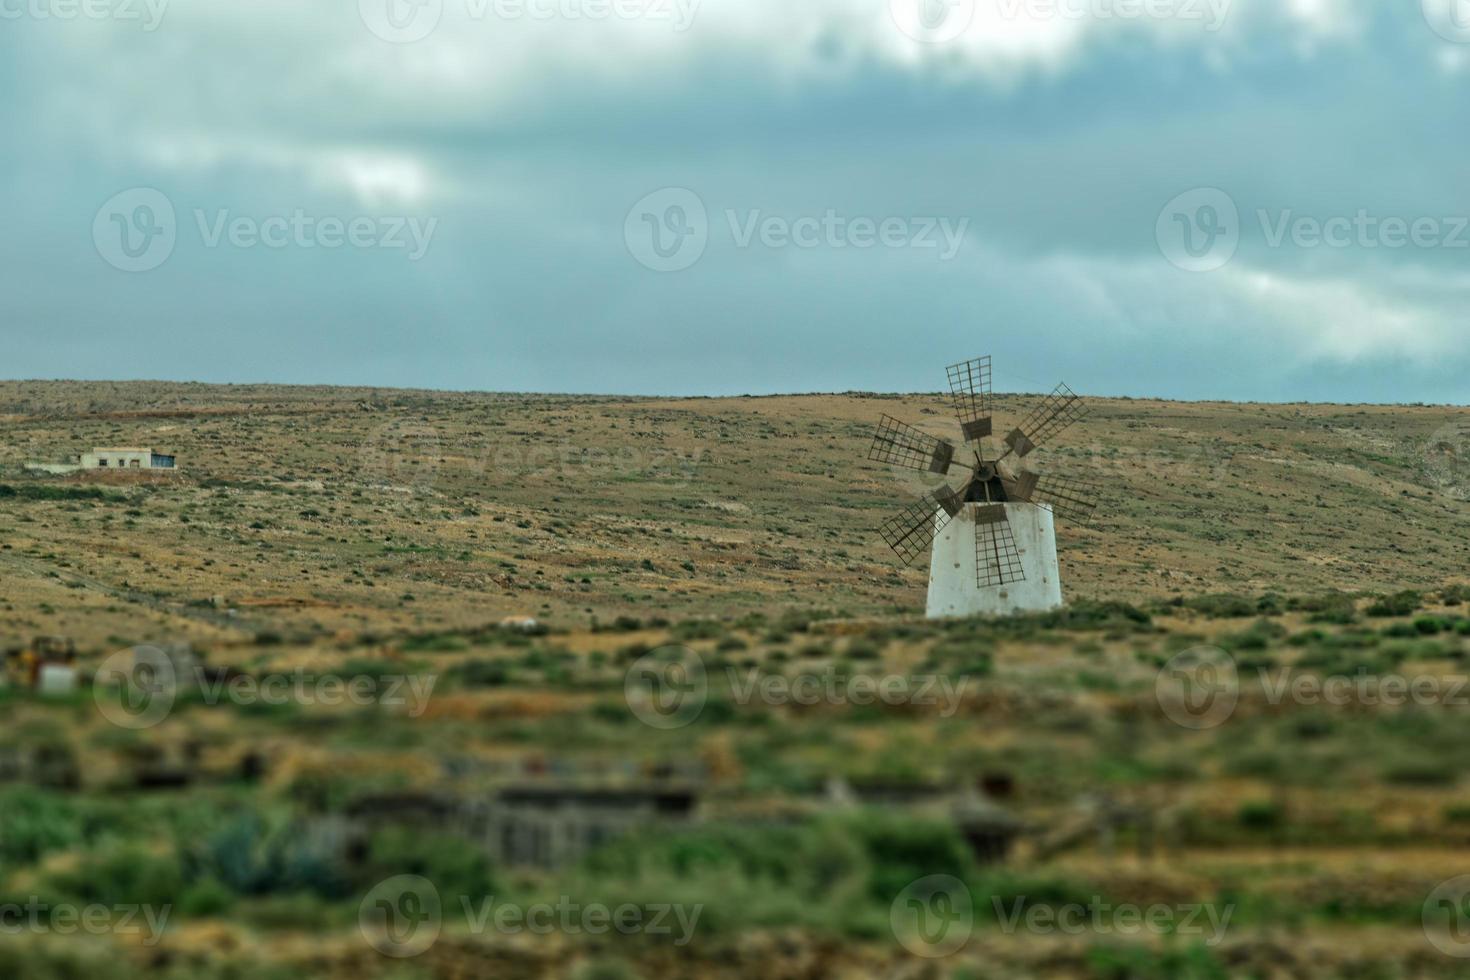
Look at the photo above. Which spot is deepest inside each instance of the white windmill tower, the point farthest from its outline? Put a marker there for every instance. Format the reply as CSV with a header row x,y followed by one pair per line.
x,y
994,540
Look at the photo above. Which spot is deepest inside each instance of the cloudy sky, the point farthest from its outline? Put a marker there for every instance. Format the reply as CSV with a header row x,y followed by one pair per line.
x,y
1245,199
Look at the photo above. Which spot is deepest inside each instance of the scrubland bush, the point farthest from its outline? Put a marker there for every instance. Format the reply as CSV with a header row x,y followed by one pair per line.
x,y
837,874
1399,604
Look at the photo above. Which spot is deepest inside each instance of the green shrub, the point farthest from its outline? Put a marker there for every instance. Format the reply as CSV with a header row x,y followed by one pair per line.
x,y
1008,891
35,823
553,661
1264,764
1430,625
1088,615
697,629
294,912
1259,815
836,874
1313,726
382,671
41,960
961,658
122,874
745,876
454,868
46,491
1420,772
206,898
1223,606
900,849
1138,962
1258,637
252,856
1351,640
436,643
1399,604
480,672
1330,607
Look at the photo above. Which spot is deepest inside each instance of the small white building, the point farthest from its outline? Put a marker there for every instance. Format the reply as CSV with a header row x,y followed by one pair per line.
x,y
126,459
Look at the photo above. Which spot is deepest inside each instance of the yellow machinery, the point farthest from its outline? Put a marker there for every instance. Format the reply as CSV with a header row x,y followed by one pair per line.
x,y
23,666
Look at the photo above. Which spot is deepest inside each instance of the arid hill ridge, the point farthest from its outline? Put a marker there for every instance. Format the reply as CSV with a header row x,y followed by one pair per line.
x,y
323,510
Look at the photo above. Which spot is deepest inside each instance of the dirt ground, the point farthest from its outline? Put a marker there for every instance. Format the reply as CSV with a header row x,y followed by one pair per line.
x,y
324,511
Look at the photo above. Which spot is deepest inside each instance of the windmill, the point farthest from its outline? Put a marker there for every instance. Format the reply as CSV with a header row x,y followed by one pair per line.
x,y
994,539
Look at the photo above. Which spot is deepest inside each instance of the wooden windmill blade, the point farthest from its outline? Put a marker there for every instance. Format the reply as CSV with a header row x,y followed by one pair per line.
x,y
997,562
969,385
1071,497
900,444
910,531
1057,411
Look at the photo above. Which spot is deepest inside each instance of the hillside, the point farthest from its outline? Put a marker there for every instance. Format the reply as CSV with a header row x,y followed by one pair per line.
x,y
310,511
317,541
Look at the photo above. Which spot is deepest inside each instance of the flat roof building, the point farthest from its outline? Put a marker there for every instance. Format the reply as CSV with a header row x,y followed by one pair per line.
x,y
126,458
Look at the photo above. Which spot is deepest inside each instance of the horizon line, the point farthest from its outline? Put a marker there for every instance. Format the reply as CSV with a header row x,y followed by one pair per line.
x,y
687,396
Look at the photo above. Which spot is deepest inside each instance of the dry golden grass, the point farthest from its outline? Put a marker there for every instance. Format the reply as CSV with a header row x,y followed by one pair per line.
x,y
316,511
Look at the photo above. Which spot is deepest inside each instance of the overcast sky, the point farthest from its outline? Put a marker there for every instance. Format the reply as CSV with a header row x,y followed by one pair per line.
x,y
1258,199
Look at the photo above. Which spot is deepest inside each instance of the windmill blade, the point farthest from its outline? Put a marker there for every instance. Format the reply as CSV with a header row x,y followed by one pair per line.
x,y
1022,488
912,529
997,562
969,382
903,445
1068,496
1056,412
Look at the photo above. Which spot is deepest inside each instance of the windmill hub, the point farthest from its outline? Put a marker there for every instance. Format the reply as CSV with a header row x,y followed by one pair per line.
x,y
1001,556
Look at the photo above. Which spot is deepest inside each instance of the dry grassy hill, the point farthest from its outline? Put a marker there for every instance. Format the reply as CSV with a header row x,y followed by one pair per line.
x,y
311,511
357,534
